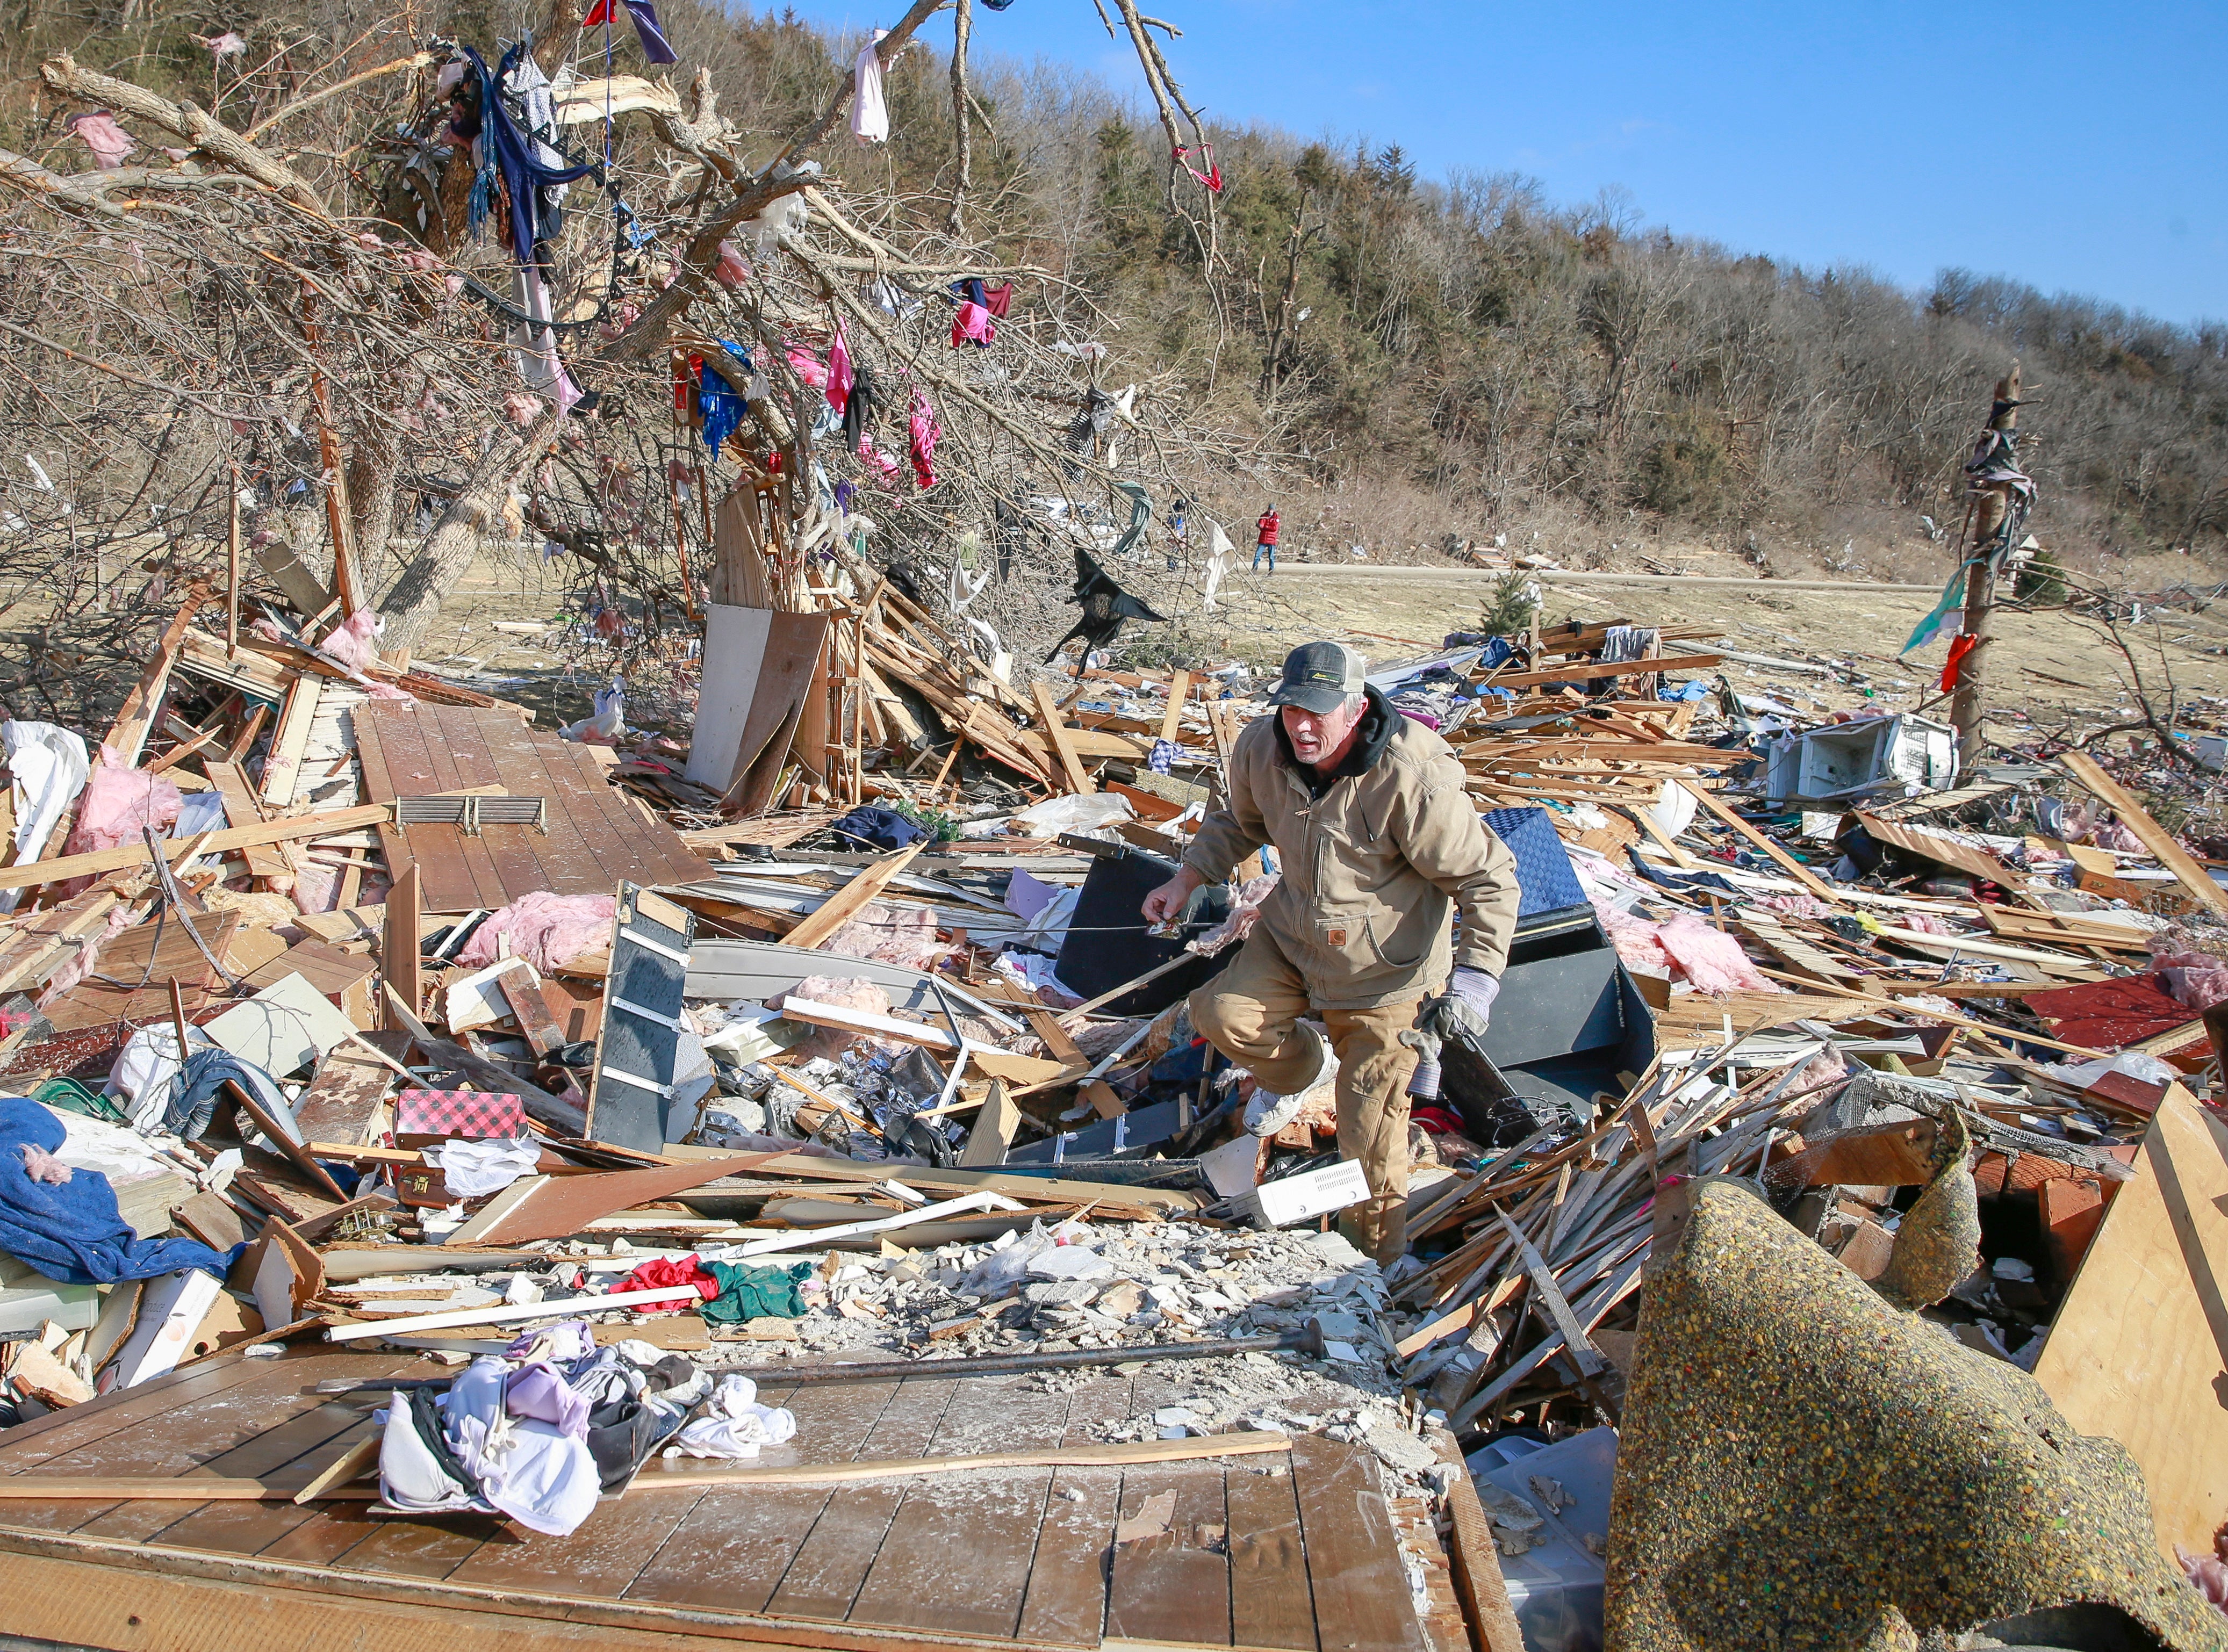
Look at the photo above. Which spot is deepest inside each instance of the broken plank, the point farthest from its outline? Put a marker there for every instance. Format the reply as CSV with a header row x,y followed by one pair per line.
x,y
282,767
848,902
292,830
2153,836
1063,740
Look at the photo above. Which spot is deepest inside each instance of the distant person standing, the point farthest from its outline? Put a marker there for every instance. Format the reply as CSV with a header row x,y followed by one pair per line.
x,y
1179,531
1265,542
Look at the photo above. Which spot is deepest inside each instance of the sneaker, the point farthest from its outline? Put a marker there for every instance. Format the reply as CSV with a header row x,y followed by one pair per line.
x,y
1267,1113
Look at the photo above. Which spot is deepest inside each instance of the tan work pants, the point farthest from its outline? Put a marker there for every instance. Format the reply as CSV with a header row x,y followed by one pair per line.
x,y
1250,1012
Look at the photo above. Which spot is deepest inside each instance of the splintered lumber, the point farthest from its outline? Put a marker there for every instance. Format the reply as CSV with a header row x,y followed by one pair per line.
x,y
1179,691
1787,863
345,1098
555,1207
1063,740
242,808
1105,1198
282,767
128,736
399,957
510,1313
997,1063
1621,668
125,1487
292,830
2153,836
51,937
846,902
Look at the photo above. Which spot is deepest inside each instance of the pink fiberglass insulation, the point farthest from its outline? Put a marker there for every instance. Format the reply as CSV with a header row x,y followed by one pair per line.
x,y
1713,959
355,643
2195,978
1636,940
1245,913
548,931
120,806
889,934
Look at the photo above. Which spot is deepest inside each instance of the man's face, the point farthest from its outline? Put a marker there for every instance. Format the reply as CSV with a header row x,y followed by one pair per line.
x,y
1316,735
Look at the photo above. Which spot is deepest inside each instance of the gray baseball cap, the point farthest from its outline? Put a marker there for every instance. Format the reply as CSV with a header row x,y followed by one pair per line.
x,y
1318,676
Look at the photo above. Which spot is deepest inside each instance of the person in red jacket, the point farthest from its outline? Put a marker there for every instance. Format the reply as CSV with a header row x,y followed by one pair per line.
x,y
1265,543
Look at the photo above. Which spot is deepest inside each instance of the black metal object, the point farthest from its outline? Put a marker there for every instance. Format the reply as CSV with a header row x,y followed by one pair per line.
x,y
1568,1020
1108,943
1308,1340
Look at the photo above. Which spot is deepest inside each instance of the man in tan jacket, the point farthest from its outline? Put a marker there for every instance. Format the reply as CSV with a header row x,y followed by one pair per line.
x,y
1378,847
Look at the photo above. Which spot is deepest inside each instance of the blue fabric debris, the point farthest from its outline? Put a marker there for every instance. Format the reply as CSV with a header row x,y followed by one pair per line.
x,y
721,403
507,150
72,1232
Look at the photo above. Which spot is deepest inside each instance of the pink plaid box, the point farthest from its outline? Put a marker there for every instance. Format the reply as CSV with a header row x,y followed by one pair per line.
x,y
472,1115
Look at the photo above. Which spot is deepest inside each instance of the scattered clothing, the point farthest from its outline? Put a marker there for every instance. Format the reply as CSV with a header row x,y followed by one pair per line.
x,y
511,158
879,828
870,115
472,1170
747,1292
973,323
721,403
647,29
923,433
838,390
734,1424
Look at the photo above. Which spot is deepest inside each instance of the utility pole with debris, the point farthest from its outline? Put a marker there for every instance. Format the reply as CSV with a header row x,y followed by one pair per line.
x,y
1999,497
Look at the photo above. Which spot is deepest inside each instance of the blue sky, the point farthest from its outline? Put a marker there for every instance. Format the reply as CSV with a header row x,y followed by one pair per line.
x,y
2078,148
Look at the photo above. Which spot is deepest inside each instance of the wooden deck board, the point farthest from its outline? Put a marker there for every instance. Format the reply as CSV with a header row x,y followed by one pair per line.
x,y
234,1528
1066,1601
510,847
457,871
823,1580
1270,1602
379,786
736,1543
1302,1560
1361,1589
595,838
990,1518
426,1548
1174,1588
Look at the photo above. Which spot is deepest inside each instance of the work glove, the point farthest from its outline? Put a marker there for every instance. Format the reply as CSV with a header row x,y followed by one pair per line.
x,y
1465,1007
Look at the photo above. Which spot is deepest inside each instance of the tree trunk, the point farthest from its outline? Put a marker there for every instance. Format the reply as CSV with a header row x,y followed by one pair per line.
x,y
1968,702
409,609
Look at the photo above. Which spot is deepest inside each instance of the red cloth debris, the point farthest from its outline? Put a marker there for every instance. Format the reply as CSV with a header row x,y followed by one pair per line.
x,y
660,1274
1959,648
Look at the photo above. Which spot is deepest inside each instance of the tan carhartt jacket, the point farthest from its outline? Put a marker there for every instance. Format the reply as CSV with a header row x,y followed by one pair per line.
x,y
1373,870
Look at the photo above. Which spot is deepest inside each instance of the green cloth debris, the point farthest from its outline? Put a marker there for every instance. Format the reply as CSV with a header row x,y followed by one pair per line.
x,y
755,1292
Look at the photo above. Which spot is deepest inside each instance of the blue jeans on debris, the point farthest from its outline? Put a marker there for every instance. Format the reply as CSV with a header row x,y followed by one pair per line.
x,y
1261,551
